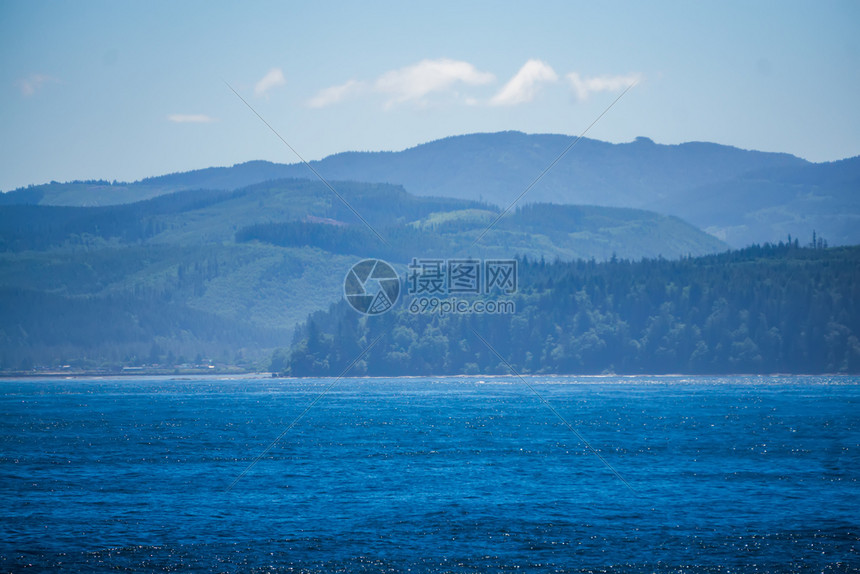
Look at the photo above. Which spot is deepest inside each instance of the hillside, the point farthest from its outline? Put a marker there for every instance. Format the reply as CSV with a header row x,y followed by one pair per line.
x,y
499,166
768,309
741,196
785,201
227,275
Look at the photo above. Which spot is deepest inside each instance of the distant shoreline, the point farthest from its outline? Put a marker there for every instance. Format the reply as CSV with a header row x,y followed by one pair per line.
x,y
142,372
198,375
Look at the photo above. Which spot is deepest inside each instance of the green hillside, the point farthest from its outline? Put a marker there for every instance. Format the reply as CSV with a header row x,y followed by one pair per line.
x,y
741,196
770,309
227,275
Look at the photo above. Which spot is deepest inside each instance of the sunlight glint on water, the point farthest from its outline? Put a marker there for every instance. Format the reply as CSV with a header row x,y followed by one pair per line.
x,y
456,474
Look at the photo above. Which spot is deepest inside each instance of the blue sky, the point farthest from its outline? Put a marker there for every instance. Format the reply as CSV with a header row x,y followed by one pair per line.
x,y
125,90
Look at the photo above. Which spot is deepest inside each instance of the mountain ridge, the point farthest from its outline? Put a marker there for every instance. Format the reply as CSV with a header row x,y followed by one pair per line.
x,y
741,196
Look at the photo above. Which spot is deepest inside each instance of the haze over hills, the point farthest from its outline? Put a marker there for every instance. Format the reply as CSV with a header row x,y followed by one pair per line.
x,y
228,274
225,262
763,309
783,201
737,195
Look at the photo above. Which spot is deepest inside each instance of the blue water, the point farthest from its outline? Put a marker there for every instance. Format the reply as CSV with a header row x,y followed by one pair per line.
x,y
736,474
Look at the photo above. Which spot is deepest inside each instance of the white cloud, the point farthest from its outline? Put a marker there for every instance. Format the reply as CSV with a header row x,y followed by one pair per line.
x,y
583,87
190,118
32,83
413,83
524,86
416,82
273,79
335,94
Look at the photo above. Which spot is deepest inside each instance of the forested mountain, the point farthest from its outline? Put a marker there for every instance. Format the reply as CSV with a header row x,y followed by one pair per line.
x,y
536,230
227,275
497,167
767,309
785,201
223,263
738,195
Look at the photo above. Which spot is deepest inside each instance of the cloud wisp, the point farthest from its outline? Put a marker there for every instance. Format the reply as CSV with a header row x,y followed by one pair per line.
x,y
190,118
584,87
336,94
525,84
272,79
414,83
33,83
418,83
410,84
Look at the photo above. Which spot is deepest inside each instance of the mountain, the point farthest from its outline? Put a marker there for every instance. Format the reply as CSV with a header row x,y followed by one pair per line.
x,y
738,195
226,275
778,201
498,167
493,167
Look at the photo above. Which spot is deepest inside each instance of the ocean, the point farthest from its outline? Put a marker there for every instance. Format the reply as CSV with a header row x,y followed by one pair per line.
x,y
475,474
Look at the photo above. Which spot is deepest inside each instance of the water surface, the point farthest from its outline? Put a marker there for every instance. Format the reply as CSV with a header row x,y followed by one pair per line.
x,y
431,474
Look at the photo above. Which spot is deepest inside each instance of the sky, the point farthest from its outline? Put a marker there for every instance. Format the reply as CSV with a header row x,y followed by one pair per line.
x,y
125,90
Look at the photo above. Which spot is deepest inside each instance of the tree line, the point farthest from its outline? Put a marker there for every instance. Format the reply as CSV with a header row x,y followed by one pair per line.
x,y
778,308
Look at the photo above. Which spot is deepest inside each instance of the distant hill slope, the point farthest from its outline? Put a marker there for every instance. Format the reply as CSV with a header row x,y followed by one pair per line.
x,y
499,166
779,201
446,225
739,195
227,275
763,309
